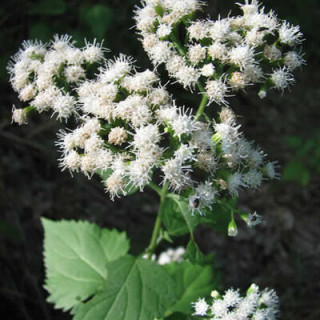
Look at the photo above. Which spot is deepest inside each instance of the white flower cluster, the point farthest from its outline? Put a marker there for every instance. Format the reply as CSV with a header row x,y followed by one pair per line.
x,y
226,55
44,75
171,255
131,132
256,305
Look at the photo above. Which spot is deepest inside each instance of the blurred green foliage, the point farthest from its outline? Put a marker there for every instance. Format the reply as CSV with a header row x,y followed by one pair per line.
x,y
306,159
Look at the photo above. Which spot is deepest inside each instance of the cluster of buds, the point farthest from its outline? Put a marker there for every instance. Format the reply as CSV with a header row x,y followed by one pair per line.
x,y
221,56
131,132
256,305
44,75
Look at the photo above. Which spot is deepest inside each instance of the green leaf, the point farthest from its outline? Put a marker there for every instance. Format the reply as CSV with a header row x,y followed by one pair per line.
x,y
191,282
294,141
136,289
177,216
297,172
40,31
193,253
49,7
98,17
76,257
179,316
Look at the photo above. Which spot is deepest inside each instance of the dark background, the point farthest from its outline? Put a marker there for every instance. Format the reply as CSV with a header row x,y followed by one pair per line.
x,y
283,254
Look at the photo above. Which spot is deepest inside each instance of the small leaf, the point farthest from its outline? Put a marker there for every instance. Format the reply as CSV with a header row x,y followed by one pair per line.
x,y
179,316
177,217
193,254
40,31
297,172
104,174
76,257
99,17
49,7
191,282
136,289
294,141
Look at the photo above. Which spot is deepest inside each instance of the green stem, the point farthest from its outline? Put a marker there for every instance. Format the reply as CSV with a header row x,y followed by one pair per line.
x,y
202,105
157,225
155,187
177,43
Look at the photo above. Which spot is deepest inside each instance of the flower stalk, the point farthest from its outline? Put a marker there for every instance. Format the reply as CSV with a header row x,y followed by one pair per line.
x,y
157,226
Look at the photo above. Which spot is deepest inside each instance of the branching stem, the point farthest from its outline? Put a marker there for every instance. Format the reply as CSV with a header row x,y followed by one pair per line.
x,y
157,225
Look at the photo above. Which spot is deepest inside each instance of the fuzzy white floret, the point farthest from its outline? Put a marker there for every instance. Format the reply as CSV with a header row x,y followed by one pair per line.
x,y
140,82
272,53
253,73
167,114
219,308
27,93
158,96
282,78
217,91
93,52
171,255
149,41
201,307
117,136
289,34
139,173
146,136
164,30
196,54
93,144
261,20
242,56
183,123
71,161
198,30
104,159
187,76
206,193
183,7
185,153
64,106
74,56
252,179
74,73
177,174
219,29
116,69
232,297
44,99
237,81
218,50
254,37
293,60
88,164
20,80
62,42
235,183
115,185
249,8
174,64
201,138
270,170
19,116
208,70
160,53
